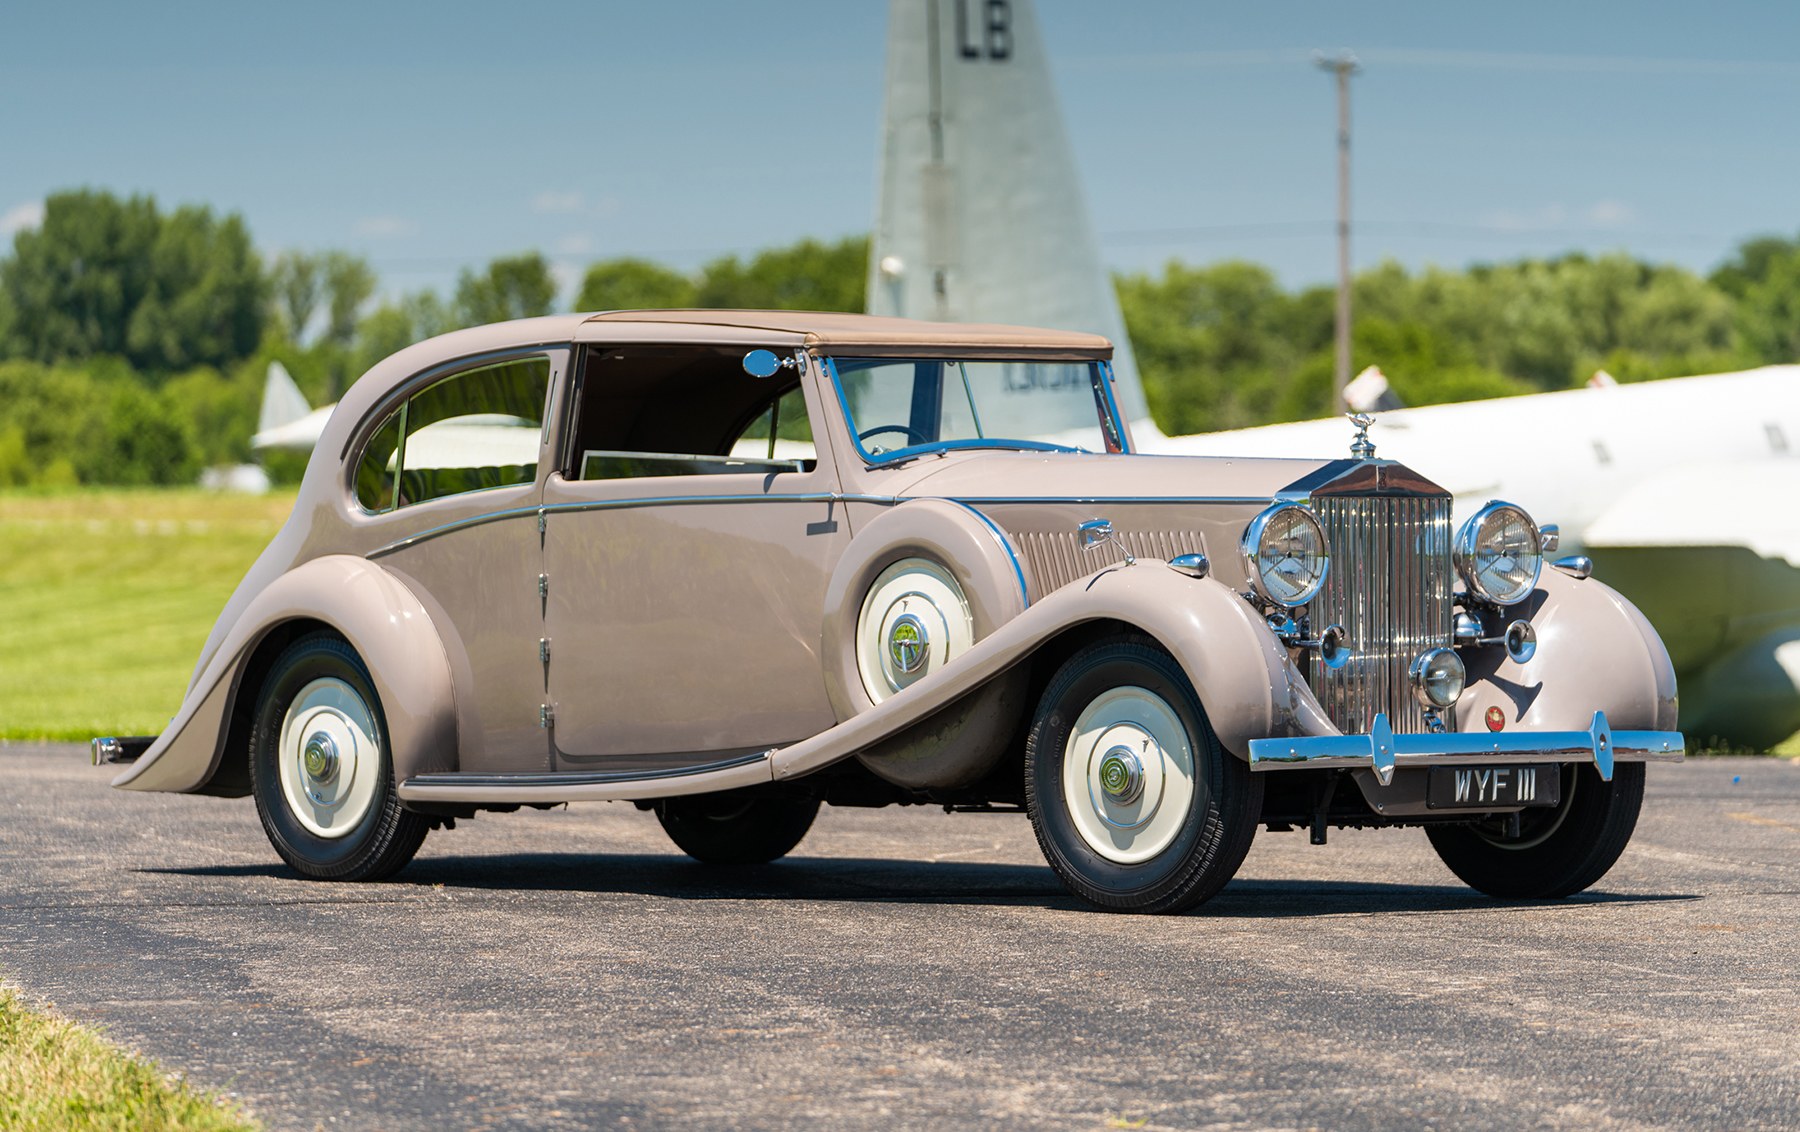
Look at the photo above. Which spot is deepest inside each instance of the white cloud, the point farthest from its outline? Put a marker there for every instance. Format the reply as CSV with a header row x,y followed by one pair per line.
x,y
1558,218
552,201
575,243
19,217
1526,220
1610,214
380,226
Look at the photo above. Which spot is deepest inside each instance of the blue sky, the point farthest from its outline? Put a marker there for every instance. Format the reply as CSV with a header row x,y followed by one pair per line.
x,y
429,137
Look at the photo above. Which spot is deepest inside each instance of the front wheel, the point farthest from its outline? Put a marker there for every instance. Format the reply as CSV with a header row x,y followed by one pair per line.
x,y
734,828
1136,805
1559,850
320,770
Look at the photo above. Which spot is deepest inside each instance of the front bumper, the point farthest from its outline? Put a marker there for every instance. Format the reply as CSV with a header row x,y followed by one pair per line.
x,y
1383,752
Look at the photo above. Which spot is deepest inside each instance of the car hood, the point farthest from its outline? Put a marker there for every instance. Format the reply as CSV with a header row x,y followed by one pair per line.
x,y
1081,475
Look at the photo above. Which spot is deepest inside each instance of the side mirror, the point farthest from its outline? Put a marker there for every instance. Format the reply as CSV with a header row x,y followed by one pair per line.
x,y
761,363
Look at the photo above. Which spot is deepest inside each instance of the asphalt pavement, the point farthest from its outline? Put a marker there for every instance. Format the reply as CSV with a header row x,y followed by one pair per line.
x,y
910,968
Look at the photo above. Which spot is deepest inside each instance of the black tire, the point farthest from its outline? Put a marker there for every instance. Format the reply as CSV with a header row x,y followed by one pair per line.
x,y
735,827
1218,827
386,838
1560,849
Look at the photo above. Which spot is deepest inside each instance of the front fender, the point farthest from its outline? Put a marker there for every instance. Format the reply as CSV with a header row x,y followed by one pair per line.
x,y
1246,682
382,620
1595,652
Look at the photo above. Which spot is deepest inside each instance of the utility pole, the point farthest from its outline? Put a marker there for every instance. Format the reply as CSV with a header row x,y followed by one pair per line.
x,y
1343,66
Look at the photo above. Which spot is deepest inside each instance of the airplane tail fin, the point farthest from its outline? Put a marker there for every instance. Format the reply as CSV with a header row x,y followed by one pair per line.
x,y
981,217
282,401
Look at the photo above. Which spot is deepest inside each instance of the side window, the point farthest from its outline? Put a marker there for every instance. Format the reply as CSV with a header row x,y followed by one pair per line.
x,y
375,471
780,432
474,430
659,410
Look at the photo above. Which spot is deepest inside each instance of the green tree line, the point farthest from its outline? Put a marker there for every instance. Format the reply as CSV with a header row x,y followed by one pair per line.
x,y
134,341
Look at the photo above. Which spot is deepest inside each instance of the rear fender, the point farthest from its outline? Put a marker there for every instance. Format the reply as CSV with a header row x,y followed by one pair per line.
x,y
382,620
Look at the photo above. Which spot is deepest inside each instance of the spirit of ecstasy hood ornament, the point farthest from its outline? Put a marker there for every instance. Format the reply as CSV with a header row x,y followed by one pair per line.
x,y
1361,448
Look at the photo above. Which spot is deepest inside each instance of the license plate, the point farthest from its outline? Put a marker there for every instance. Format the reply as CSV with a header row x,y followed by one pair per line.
x,y
1486,787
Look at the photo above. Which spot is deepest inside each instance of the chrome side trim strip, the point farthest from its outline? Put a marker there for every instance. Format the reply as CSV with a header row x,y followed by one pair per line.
x,y
447,528
971,502
615,504
1127,500
1006,545
699,500
1384,752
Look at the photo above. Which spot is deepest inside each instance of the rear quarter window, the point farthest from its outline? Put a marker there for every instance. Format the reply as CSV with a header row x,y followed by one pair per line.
x,y
472,431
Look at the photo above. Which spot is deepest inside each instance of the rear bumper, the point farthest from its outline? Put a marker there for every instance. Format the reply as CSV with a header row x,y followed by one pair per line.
x,y
1383,752
113,749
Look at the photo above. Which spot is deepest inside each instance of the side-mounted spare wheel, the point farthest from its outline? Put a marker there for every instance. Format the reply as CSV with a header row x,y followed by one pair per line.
x,y
914,621
1136,805
917,588
320,767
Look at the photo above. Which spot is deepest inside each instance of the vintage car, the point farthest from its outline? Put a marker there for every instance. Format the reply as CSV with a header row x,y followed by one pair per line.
x,y
730,565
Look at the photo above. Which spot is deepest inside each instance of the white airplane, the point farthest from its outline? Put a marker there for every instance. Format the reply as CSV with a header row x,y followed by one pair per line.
x,y
482,440
1682,489
288,420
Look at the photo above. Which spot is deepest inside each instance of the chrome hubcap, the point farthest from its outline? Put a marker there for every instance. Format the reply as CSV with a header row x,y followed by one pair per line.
x,y
1122,775
320,757
908,643
1128,775
329,763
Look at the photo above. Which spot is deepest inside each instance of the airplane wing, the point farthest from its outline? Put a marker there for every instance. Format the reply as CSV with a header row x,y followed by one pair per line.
x,y
299,435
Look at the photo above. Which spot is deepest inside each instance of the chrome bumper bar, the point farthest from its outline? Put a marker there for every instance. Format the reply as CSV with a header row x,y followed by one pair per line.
x,y
113,749
1383,752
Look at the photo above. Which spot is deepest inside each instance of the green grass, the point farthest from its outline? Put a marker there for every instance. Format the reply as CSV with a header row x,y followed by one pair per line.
x,y
106,598
56,1075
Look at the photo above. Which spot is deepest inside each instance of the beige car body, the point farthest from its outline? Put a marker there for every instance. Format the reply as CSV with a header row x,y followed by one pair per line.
x,y
566,640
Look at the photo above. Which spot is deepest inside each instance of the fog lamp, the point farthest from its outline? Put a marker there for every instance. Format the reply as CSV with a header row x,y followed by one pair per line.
x,y
1437,677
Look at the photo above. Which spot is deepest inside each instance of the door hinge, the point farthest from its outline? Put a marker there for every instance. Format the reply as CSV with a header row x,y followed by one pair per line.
x,y
543,522
543,585
546,716
544,650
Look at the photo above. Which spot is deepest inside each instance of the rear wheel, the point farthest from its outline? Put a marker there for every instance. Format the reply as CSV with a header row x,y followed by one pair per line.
x,y
1136,805
1560,849
320,770
734,828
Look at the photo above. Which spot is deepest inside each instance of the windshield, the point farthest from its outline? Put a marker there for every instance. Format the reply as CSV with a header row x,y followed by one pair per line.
x,y
900,407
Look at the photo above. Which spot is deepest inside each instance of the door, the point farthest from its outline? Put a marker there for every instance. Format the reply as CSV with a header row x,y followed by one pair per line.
x,y
689,538
449,487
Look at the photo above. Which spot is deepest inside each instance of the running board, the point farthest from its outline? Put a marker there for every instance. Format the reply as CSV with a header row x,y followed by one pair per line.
x,y
588,786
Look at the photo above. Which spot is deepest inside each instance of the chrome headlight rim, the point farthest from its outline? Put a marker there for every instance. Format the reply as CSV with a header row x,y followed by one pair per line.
x,y
1469,543
1250,545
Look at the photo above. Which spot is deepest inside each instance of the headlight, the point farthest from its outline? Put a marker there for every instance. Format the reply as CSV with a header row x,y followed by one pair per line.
x,y
1285,554
1499,553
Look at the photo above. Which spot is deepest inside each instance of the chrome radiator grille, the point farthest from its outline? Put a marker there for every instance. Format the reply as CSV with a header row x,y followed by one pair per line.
x,y
1390,588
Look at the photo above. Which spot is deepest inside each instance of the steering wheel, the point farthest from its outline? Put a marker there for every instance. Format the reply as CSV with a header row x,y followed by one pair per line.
x,y
911,434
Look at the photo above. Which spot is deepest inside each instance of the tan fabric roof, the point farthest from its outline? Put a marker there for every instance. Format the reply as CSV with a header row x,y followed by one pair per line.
x,y
871,334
